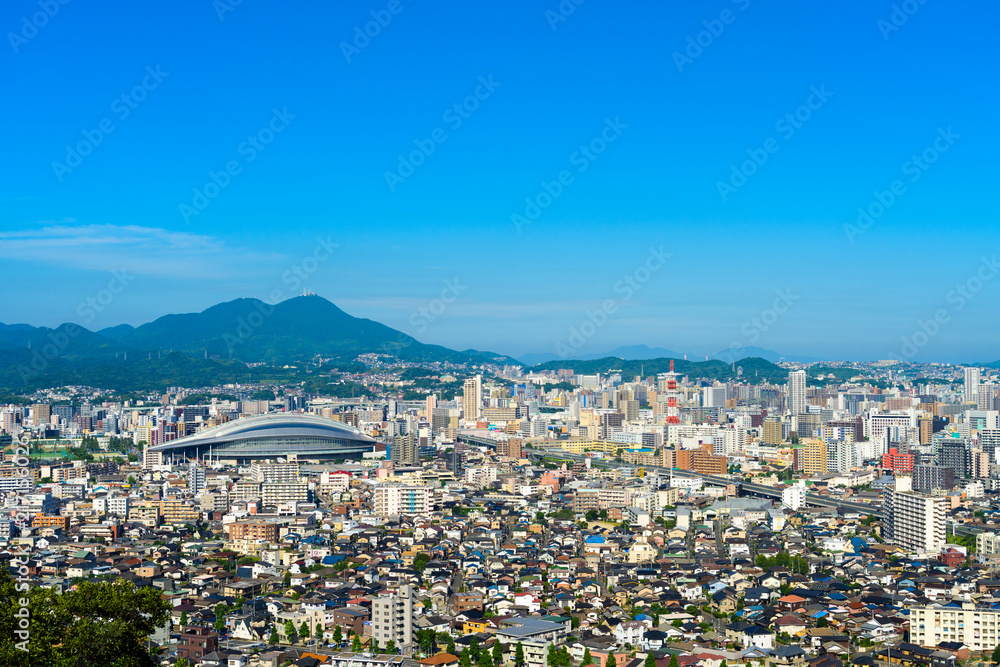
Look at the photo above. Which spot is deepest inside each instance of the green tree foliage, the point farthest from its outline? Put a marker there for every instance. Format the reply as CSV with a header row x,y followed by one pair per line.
x,y
465,658
273,639
673,661
497,653
100,623
289,631
587,658
390,647
474,649
996,654
356,644
611,661
650,660
304,630
338,635
420,562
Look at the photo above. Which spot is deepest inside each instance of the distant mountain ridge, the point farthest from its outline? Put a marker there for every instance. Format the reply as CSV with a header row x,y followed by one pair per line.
x,y
641,352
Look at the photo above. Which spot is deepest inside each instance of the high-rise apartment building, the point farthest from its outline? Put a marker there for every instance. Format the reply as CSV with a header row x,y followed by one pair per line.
x,y
972,380
404,450
926,478
472,399
392,617
810,458
913,520
953,454
772,431
797,392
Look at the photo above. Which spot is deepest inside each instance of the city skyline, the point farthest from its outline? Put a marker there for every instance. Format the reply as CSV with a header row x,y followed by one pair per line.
x,y
662,170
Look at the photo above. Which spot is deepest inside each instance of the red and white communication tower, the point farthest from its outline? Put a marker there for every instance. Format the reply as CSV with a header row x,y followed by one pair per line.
x,y
673,412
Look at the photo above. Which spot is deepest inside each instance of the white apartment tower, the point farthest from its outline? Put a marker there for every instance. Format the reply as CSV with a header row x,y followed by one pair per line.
x,y
797,392
972,380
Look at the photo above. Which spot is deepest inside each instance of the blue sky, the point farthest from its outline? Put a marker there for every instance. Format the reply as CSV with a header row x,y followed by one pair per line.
x,y
201,89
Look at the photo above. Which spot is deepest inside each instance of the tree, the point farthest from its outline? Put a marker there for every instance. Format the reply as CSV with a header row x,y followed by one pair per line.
x,y
550,658
650,660
497,654
611,662
519,660
184,618
338,635
304,630
451,645
289,631
996,654
356,644
182,662
465,659
390,647
420,562
485,660
587,658
273,639
99,623
673,661
220,622
474,648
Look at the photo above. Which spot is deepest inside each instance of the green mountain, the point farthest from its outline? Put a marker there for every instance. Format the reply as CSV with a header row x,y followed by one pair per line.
x,y
251,330
205,348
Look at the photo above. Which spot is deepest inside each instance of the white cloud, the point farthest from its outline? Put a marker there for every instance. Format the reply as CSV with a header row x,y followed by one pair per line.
x,y
142,250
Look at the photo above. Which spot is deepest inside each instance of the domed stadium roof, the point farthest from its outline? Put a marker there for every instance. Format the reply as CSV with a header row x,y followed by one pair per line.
x,y
273,435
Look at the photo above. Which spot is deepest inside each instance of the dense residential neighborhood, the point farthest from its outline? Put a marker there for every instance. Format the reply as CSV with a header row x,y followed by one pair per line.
x,y
529,521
